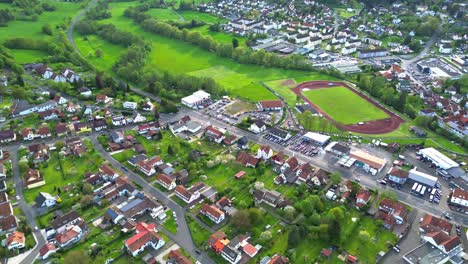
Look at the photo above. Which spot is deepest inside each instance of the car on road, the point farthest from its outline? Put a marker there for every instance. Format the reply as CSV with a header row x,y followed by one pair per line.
x,y
446,215
18,197
197,251
124,168
396,248
36,228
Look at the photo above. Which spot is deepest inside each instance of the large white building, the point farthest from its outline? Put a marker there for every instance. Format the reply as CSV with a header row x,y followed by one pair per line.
x,y
446,166
422,178
197,99
459,197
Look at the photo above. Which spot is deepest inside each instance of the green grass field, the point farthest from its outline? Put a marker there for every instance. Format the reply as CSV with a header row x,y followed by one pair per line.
x,y
180,57
32,29
343,105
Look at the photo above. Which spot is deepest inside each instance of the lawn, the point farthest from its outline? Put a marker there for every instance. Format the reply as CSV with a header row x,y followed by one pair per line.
x,y
172,55
199,234
124,155
33,29
345,13
73,168
240,107
170,223
343,105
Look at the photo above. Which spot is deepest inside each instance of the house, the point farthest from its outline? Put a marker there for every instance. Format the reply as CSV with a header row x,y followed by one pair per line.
x,y
146,235
33,179
102,98
86,92
119,120
27,134
70,75
44,132
258,126
148,166
272,198
392,212
197,100
230,254
45,200
247,160
99,124
176,257
7,136
303,173
166,181
113,215
264,152
430,223
147,106
214,134
82,127
108,172
362,198
48,115
459,197
290,164
3,171
445,48
270,105
61,129
65,221
450,245
69,236
277,259
47,250
187,195
418,131
397,175
130,105
212,212
243,142
15,240
60,99
116,136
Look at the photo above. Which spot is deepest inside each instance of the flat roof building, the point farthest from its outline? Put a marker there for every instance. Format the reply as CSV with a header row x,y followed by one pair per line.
x,y
368,159
442,162
197,99
317,138
422,177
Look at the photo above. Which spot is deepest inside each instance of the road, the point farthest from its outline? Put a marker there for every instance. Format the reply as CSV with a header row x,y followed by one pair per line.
x,y
183,236
73,23
27,211
405,64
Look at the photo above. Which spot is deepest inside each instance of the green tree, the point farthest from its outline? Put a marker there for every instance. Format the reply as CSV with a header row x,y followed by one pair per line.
x,y
47,29
241,220
235,43
76,257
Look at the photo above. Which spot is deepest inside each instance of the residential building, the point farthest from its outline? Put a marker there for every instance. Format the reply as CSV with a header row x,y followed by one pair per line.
x,y
187,195
230,254
258,126
392,212
15,240
214,134
264,152
146,235
397,175
7,136
212,212
33,179
47,250
362,198
430,223
45,200
66,221
459,197
69,236
130,105
166,181
247,160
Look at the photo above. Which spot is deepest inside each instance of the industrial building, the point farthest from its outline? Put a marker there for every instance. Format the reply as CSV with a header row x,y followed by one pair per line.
x,y
367,161
316,138
422,178
197,99
446,166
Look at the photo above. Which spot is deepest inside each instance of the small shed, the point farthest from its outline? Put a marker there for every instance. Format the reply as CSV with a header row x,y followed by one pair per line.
x,y
240,174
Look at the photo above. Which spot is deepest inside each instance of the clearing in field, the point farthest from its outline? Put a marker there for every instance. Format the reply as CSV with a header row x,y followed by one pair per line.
x,y
240,107
343,105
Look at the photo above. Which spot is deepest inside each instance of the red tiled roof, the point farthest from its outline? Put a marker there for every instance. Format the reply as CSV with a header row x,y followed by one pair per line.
x,y
398,172
183,191
211,210
15,237
66,236
166,179
442,239
46,248
240,174
271,104
326,252
250,250
245,158
431,223
460,194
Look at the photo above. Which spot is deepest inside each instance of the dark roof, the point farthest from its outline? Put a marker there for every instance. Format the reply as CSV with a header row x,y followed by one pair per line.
x,y
341,148
7,134
64,219
279,132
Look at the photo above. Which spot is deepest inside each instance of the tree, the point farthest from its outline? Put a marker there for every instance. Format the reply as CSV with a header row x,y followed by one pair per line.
x,y
294,237
98,53
76,257
59,145
170,150
265,236
86,201
241,220
235,43
47,29
87,188
364,236
289,212
335,177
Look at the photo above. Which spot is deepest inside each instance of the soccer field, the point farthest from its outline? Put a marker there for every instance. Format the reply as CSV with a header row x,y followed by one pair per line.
x,y
343,105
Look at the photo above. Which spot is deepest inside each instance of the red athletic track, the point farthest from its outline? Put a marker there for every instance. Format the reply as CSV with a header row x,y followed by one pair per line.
x,y
380,126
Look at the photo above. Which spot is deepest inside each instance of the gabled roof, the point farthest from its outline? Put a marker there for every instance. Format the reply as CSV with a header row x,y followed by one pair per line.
x,y
398,172
245,158
145,233
444,240
47,248
15,237
211,210
431,223
271,104
66,236
460,194
166,179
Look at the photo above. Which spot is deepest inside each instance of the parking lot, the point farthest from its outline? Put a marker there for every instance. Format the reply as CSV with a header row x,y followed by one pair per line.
x,y
276,139
305,147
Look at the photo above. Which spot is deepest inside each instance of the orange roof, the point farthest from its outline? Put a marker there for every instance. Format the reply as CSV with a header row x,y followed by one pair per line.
x,y
218,246
240,174
250,250
16,237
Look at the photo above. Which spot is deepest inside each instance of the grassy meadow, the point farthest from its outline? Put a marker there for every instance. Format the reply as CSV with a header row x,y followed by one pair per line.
x,y
343,105
64,12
